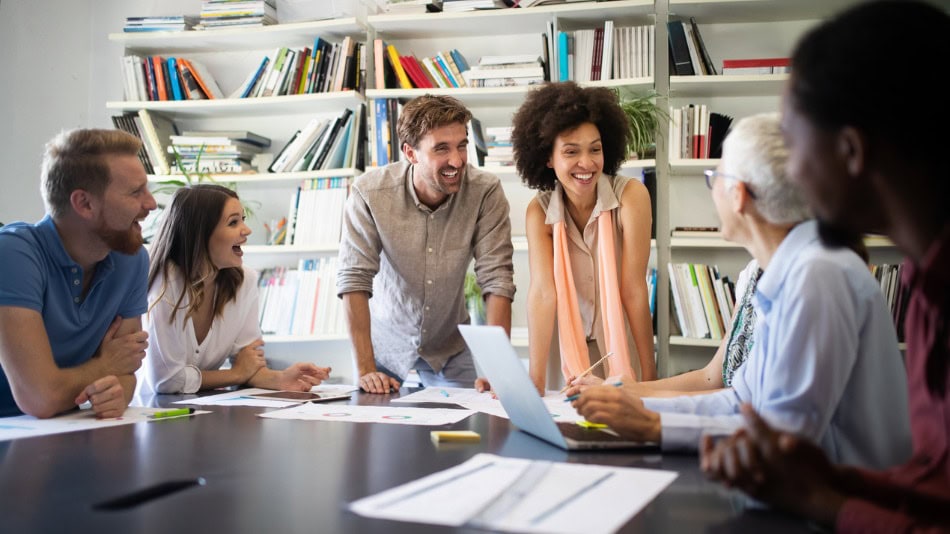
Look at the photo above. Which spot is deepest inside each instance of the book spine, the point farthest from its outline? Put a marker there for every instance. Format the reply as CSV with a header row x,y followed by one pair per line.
x,y
397,67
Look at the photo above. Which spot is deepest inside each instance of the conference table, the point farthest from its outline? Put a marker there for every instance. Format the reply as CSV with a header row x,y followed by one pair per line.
x,y
273,476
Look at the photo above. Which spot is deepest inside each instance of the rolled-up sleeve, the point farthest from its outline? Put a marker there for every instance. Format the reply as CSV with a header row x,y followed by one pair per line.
x,y
360,247
493,251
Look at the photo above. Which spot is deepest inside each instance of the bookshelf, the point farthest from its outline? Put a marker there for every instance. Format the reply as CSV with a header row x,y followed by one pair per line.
x,y
230,54
730,28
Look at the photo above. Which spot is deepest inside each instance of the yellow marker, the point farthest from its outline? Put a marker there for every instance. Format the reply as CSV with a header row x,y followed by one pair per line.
x,y
458,436
588,424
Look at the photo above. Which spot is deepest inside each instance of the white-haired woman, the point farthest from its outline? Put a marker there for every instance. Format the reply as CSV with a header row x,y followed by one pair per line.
x,y
825,363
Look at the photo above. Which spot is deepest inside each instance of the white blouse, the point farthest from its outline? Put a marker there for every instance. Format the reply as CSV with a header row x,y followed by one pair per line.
x,y
174,359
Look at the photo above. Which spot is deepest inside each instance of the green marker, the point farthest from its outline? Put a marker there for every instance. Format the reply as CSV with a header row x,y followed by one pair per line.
x,y
173,413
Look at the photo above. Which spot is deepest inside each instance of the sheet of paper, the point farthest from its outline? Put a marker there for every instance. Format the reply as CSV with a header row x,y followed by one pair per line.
x,y
241,397
483,402
26,426
517,495
392,415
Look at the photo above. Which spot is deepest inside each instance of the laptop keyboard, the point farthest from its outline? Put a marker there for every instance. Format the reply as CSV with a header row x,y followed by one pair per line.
x,y
579,433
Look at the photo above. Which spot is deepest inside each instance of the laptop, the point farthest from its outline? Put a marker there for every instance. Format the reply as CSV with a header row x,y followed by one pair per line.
x,y
499,361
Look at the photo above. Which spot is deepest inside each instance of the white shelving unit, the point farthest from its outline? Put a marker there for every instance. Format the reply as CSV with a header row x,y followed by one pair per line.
x,y
730,28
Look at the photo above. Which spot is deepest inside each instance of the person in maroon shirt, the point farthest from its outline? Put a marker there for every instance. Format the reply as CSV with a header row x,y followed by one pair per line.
x,y
862,114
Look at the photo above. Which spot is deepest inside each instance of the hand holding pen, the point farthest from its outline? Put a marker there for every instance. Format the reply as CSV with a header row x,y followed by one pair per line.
x,y
572,381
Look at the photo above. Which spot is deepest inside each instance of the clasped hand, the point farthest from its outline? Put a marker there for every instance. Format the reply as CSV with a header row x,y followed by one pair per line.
x,y
122,355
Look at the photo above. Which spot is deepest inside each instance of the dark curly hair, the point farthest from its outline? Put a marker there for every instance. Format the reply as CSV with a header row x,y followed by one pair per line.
x,y
555,108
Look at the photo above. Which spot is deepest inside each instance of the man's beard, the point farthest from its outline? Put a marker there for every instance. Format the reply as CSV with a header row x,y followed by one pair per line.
x,y
836,236
127,242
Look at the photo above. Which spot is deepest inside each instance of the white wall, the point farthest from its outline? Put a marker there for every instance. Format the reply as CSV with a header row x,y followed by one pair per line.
x,y
44,57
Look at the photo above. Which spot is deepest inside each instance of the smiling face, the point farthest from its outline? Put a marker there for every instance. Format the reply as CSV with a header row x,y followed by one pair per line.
x,y
578,159
439,163
126,201
224,245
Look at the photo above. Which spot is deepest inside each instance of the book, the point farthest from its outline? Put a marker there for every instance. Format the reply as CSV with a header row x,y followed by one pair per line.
x,y
333,132
158,131
708,64
204,79
446,58
693,48
172,67
679,50
397,67
237,135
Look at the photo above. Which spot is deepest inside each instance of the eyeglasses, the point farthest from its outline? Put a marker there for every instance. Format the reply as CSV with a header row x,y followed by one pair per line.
x,y
712,174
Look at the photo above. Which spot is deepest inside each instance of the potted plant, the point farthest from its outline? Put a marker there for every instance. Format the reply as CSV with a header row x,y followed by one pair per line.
x,y
644,117
473,299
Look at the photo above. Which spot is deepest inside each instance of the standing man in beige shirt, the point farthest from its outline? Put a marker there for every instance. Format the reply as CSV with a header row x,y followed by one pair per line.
x,y
411,229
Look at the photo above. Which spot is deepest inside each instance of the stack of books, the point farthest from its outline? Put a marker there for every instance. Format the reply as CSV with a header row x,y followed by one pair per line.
x,y
779,65
498,143
216,14
215,152
450,6
172,23
412,7
505,71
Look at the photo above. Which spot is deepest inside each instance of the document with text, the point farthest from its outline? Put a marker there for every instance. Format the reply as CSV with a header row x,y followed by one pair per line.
x,y
517,495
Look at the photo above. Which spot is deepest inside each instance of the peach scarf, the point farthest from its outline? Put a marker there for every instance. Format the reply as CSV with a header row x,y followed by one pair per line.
x,y
574,356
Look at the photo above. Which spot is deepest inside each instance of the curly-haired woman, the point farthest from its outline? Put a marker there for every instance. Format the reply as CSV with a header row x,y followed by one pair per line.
x,y
588,233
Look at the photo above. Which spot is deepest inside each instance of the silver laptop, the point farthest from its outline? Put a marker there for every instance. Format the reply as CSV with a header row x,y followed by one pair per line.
x,y
499,362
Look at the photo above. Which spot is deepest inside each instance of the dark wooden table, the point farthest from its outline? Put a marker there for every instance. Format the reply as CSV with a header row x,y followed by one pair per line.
x,y
272,476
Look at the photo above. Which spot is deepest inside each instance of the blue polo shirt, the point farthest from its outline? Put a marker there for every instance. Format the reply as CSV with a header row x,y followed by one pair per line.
x,y
37,273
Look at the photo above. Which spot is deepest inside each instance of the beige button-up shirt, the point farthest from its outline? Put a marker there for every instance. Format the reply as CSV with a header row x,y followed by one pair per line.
x,y
413,260
582,248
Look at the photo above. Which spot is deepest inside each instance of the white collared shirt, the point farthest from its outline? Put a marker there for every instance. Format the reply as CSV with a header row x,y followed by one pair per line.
x,y
174,359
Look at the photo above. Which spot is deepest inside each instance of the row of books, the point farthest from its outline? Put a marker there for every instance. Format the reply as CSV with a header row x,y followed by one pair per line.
x,y
703,300
688,54
384,146
160,78
895,292
316,212
396,71
695,133
604,53
217,14
301,301
325,142
155,131
216,152
322,68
